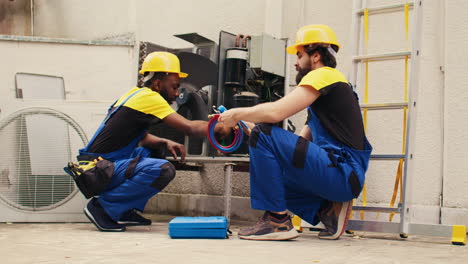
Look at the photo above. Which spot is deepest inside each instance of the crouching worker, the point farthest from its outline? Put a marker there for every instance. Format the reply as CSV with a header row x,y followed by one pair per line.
x,y
118,169
317,174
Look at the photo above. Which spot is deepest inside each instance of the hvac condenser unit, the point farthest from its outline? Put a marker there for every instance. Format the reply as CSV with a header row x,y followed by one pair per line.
x,y
37,142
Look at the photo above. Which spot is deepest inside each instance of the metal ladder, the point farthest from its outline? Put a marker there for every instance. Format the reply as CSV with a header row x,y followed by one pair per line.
x,y
405,167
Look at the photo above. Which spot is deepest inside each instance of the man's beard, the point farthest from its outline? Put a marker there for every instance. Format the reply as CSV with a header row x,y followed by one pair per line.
x,y
301,72
164,95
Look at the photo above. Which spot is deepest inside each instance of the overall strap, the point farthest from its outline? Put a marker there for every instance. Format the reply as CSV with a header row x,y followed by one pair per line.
x,y
109,115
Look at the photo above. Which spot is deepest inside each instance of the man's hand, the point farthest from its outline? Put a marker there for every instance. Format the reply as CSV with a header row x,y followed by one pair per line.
x,y
175,148
154,142
222,131
228,118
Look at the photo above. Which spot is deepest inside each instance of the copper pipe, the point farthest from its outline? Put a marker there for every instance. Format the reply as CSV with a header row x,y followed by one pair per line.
x,y
244,41
238,39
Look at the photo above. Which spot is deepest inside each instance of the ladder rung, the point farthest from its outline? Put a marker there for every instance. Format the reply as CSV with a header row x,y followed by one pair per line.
x,y
387,156
386,56
386,9
376,209
384,106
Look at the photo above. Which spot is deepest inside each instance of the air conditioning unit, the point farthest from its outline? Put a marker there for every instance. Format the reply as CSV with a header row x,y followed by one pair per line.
x,y
37,142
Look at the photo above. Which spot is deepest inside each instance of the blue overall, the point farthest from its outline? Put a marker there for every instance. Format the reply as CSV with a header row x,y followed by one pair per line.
x,y
125,193
289,172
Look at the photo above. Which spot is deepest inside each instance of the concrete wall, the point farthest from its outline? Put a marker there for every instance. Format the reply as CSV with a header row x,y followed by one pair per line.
x,y
454,109
15,17
154,21
90,72
87,19
439,171
158,20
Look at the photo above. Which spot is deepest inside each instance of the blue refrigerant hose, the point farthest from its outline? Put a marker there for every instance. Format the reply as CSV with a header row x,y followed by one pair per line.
x,y
238,133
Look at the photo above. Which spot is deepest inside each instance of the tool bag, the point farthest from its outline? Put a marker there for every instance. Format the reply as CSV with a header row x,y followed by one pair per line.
x,y
91,177
199,227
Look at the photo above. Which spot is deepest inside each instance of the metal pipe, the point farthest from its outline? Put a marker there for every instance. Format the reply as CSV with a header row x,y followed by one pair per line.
x,y
228,168
129,43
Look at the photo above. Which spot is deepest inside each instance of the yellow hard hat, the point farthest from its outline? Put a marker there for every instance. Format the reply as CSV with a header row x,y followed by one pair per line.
x,y
161,61
313,34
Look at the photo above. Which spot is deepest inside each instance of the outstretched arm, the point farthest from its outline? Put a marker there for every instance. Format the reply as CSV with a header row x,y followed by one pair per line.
x,y
189,127
195,128
272,112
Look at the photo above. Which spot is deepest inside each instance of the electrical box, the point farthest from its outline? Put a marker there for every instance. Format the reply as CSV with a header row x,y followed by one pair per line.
x,y
267,54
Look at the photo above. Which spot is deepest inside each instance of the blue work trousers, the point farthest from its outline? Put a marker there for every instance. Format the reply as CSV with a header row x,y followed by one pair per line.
x,y
290,172
133,192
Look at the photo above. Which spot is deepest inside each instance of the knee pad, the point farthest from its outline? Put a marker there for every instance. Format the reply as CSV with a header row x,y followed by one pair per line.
x,y
166,175
262,127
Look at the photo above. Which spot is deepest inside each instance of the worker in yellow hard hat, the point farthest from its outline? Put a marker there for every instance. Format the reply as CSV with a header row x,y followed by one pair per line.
x,y
125,172
315,174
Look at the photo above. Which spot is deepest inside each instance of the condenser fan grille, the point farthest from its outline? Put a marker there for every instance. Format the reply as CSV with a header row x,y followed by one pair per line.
x,y
36,144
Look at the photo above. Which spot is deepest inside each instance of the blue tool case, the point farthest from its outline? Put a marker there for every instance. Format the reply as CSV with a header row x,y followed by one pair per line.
x,y
198,227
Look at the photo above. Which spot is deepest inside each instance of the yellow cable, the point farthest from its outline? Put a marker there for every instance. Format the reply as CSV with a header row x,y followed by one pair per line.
x,y
395,187
366,26
364,200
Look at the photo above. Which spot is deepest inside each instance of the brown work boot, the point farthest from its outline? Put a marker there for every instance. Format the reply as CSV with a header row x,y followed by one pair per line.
x,y
334,217
270,228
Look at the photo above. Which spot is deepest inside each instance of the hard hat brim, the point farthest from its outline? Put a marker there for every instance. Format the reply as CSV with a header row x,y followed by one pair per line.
x,y
292,49
181,74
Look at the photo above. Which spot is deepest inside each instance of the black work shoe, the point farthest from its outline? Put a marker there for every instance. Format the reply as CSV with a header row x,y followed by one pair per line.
x,y
98,216
270,228
132,218
335,218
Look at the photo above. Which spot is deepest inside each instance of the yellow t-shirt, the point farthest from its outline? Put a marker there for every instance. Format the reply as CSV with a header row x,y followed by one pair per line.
x,y
322,78
131,120
147,101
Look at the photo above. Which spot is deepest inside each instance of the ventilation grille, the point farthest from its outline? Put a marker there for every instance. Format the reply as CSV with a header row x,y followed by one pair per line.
x,y
36,144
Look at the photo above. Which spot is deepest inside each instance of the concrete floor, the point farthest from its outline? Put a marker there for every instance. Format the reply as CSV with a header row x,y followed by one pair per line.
x,y
81,243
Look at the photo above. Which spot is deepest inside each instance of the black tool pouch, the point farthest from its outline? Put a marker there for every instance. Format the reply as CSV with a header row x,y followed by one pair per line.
x,y
93,181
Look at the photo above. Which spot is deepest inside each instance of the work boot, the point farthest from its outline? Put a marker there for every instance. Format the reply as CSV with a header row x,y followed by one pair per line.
x,y
334,217
99,217
270,228
132,218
